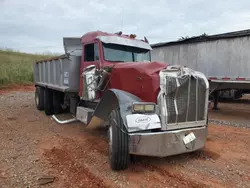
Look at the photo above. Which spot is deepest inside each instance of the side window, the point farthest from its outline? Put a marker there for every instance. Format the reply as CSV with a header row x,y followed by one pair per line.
x,y
91,52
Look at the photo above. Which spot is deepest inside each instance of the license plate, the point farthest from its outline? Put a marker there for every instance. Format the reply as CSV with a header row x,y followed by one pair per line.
x,y
189,138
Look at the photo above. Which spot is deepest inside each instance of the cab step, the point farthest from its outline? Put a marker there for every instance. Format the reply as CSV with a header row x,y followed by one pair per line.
x,y
84,114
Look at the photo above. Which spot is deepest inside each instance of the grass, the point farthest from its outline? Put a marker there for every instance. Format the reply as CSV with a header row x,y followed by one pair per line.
x,y
17,67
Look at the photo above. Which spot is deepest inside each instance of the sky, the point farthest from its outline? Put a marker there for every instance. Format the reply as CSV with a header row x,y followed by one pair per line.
x,y
39,26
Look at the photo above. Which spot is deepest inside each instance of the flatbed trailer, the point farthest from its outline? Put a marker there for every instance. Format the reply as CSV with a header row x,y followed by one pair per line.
x,y
223,58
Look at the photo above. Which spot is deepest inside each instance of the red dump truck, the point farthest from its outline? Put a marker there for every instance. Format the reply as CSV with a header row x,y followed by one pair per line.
x,y
108,79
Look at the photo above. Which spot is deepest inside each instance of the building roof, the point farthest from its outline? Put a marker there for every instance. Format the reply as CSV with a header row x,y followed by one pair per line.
x,y
203,38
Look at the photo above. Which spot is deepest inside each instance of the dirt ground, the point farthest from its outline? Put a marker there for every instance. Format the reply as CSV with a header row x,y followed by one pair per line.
x,y
33,146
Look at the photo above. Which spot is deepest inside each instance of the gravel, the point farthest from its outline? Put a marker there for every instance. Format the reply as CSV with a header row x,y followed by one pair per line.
x,y
35,148
234,124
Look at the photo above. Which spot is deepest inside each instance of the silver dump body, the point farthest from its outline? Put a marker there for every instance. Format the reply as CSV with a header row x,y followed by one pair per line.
x,y
61,73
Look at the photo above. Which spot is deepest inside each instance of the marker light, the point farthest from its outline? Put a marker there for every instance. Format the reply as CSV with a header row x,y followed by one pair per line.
x,y
132,36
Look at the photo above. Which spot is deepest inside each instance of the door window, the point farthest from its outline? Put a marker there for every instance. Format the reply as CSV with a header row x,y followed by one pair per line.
x,y
91,52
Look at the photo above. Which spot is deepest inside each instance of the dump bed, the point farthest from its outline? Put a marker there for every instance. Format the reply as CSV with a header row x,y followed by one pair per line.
x,y
61,73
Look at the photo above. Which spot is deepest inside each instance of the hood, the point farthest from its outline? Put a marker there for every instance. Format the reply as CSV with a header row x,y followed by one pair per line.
x,y
140,79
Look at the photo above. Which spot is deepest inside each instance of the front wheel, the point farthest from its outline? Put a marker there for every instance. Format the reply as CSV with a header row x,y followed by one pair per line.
x,y
118,142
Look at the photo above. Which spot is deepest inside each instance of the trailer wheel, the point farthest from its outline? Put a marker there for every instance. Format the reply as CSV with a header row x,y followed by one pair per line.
x,y
39,98
118,142
48,101
57,101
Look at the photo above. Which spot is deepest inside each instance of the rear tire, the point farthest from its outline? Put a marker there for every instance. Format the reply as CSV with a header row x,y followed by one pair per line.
x,y
134,159
39,98
118,142
57,101
48,101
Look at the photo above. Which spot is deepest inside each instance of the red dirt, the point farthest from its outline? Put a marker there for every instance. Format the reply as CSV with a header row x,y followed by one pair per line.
x,y
233,111
33,145
13,88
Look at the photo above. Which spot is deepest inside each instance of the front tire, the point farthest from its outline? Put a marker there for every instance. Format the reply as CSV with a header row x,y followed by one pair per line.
x,y
118,142
39,98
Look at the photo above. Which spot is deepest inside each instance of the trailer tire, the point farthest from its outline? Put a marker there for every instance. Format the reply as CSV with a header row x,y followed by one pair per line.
x,y
57,101
48,101
39,98
134,159
118,142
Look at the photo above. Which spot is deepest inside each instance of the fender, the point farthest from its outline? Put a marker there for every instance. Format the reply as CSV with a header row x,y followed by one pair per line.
x,y
112,99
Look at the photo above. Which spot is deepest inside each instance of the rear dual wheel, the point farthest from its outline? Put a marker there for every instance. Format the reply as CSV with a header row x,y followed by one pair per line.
x,y
39,98
57,102
48,100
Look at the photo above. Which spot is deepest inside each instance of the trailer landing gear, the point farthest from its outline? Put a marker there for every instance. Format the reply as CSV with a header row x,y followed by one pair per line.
x,y
216,100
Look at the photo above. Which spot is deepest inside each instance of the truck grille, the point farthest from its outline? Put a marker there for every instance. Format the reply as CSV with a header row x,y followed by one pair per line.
x,y
185,99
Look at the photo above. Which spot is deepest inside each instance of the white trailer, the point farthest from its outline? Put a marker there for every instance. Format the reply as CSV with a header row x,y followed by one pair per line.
x,y
223,58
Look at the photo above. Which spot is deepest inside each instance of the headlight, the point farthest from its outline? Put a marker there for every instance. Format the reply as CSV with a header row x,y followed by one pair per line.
x,y
138,107
143,107
149,107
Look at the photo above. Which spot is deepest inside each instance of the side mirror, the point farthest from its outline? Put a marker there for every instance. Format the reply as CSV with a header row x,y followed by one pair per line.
x,y
88,68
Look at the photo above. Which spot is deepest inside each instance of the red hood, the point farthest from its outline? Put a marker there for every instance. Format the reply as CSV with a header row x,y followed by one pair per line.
x,y
140,79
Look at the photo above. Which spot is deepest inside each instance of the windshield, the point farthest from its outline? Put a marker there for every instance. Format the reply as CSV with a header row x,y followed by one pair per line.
x,y
120,53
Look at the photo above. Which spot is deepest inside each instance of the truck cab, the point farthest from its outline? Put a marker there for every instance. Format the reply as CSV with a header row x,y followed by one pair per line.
x,y
104,50
149,108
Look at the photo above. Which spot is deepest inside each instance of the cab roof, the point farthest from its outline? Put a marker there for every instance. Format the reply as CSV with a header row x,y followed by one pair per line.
x,y
91,36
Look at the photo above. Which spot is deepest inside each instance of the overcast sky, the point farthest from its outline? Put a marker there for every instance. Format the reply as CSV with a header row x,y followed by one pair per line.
x,y
38,26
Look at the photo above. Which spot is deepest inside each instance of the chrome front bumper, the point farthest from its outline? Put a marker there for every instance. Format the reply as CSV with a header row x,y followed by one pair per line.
x,y
166,143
